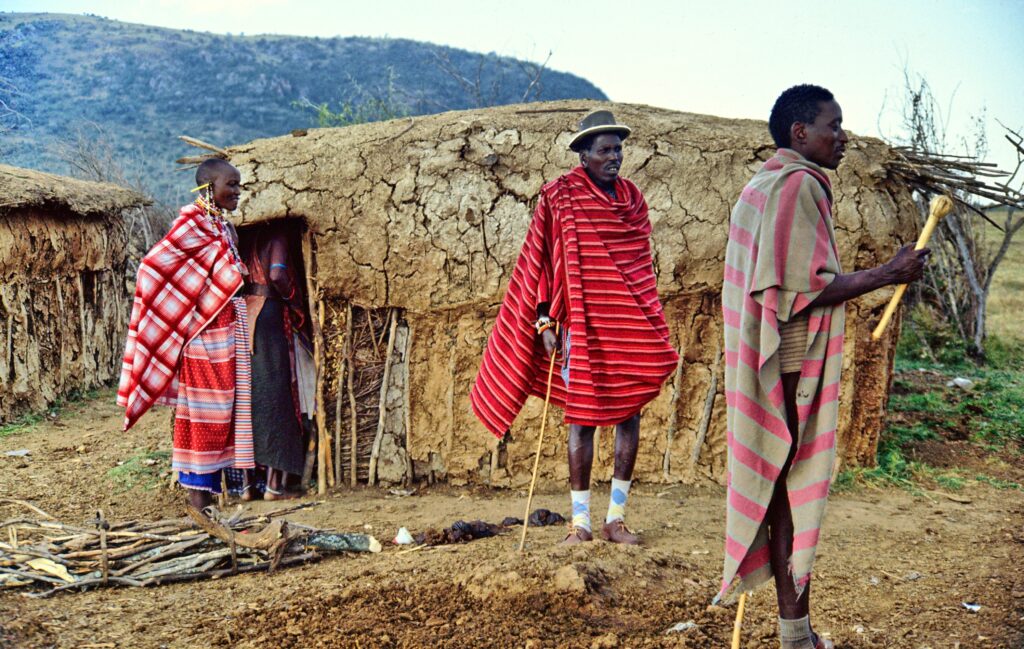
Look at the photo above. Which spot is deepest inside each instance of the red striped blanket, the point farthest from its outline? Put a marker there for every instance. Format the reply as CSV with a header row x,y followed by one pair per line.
x,y
781,254
204,436
589,256
183,283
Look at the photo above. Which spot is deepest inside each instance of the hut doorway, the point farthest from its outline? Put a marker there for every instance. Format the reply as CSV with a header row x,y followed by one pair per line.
x,y
282,338
356,426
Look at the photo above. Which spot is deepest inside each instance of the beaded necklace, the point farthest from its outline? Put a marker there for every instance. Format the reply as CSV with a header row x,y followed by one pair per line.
x,y
215,216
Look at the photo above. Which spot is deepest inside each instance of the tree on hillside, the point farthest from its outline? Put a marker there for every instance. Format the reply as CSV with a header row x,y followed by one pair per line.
x,y
966,254
11,119
90,154
488,80
378,105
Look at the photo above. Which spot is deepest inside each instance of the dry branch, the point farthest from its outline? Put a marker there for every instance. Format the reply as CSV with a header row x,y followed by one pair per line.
x,y
957,176
221,153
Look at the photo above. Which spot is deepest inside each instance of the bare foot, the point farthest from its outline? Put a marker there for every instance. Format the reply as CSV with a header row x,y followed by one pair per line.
x,y
199,499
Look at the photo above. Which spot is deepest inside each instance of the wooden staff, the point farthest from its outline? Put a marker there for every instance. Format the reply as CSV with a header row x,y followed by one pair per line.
x,y
939,207
739,621
536,459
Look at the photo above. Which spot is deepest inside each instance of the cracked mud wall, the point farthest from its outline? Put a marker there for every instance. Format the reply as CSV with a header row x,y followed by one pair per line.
x,y
427,214
64,305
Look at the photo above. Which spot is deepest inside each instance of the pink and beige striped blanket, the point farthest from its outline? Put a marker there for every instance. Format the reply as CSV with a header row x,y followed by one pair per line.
x,y
781,254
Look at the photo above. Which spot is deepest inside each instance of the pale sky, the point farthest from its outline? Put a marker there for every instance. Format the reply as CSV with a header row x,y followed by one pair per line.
x,y
727,57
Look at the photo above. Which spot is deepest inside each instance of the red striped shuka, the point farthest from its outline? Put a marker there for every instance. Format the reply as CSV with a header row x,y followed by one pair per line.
x,y
589,256
780,255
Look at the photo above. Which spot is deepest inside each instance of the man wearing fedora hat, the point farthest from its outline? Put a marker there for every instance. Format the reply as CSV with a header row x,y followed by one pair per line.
x,y
583,287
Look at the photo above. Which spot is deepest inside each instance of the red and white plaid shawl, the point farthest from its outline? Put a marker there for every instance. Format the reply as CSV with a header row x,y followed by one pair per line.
x,y
183,283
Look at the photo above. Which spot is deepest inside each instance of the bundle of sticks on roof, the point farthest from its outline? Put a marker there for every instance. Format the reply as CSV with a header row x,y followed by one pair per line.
x,y
54,557
956,176
193,160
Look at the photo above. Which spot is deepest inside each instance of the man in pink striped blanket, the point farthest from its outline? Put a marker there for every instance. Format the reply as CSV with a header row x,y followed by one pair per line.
x,y
782,301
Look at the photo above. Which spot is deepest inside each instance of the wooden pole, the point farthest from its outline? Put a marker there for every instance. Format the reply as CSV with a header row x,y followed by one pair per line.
x,y
673,419
382,406
321,409
407,407
536,459
709,406
341,383
354,439
337,421
315,319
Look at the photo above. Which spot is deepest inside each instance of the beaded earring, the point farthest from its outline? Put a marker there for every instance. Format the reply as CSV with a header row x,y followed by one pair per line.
x,y
205,200
211,204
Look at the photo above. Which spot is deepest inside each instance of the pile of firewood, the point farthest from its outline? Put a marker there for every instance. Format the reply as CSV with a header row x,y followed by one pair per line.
x,y
59,557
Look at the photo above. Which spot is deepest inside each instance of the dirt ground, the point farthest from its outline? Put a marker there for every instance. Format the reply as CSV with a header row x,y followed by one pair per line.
x,y
894,569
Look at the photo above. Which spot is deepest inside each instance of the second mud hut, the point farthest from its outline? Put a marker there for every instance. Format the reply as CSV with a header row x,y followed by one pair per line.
x,y
64,294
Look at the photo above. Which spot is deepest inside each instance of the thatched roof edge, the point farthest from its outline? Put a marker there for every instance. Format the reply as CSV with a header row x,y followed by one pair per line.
x,y
26,188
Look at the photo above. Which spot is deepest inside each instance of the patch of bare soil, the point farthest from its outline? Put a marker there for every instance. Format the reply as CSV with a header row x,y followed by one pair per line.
x,y
969,458
894,569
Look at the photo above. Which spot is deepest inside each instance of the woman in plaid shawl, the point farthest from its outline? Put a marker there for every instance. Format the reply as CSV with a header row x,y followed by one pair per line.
x,y
187,345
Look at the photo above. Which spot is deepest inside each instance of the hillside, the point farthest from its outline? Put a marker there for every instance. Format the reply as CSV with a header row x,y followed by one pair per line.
x,y
142,86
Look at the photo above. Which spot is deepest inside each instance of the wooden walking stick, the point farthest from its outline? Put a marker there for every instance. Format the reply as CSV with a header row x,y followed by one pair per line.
x,y
939,207
739,621
536,459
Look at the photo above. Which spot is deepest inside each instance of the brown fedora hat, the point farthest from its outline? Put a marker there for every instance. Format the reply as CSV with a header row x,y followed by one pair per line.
x,y
599,121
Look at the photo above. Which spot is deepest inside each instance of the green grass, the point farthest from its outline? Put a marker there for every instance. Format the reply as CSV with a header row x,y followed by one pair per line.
x,y
26,422
20,425
990,415
992,411
142,469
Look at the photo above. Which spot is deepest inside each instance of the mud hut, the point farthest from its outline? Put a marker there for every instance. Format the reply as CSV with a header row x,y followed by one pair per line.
x,y
411,227
64,298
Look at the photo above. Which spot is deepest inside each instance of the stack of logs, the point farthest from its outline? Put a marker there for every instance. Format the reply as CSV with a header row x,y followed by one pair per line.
x,y
134,553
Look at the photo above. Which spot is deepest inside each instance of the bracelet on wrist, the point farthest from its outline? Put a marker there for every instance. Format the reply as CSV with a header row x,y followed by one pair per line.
x,y
544,325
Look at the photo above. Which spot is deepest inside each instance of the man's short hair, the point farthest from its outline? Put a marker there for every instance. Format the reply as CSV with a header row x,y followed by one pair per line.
x,y
210,168
797,104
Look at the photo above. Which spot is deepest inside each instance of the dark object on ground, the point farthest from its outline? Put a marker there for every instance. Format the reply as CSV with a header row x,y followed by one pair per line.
x,y
463,531
459,532
545,517
539,518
